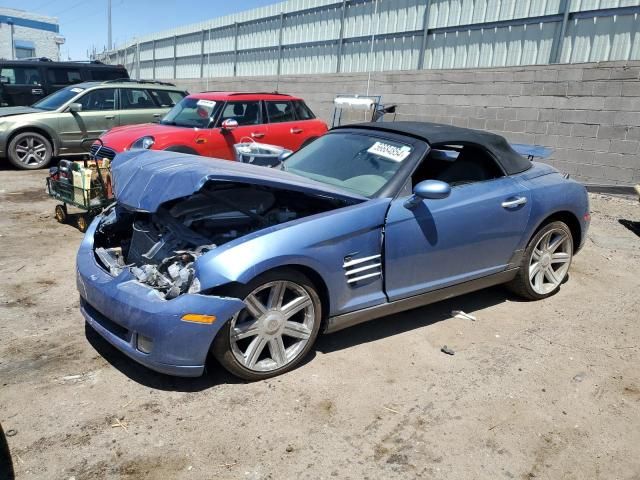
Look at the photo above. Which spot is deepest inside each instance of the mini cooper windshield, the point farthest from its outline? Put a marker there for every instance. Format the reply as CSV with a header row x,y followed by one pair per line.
x,y
192,113
359,163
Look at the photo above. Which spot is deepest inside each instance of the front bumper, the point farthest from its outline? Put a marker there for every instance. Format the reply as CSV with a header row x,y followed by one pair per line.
x,y
120,309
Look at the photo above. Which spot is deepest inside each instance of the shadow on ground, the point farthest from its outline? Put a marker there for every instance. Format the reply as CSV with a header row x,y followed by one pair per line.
x,y
359,334
630,225
6,464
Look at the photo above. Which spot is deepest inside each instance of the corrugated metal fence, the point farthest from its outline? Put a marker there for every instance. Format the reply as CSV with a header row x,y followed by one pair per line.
x,y
327,36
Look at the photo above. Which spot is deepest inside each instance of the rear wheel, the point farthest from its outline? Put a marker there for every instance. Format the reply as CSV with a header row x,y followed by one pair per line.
x,y
275,331
82,222
61,213
30,151
545,263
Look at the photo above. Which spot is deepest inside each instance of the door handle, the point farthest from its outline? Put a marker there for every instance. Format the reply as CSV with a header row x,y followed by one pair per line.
x,y
514,203
257,134
37,91
156,115
296,130
109,117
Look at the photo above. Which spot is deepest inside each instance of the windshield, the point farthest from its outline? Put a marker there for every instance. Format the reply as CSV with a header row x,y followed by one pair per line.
x,y
57,99
192,112
359,163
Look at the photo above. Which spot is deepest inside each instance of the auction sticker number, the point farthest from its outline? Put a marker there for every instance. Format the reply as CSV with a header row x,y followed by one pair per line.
x,y
391,152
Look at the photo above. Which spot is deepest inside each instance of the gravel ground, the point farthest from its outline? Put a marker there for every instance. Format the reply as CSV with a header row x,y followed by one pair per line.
x,y
545,390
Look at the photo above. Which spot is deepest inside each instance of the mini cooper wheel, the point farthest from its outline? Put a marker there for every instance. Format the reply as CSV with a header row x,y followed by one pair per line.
x,y
30,151
545,263
275,331
61,213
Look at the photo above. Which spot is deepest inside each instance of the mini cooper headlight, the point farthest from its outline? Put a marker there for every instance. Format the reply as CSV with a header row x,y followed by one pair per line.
x,y
143,142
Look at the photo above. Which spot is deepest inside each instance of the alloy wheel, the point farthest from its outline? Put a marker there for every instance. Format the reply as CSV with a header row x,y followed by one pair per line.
x,y
550,261
31,151
274,328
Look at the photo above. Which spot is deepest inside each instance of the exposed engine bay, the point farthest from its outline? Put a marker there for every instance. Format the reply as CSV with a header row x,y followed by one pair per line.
x,y
161,248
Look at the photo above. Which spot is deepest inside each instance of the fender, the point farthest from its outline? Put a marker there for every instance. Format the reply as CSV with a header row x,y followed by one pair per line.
x,y
325,243
39,128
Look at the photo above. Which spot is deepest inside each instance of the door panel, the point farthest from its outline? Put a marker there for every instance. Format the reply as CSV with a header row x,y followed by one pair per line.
x,y
284,130
459,238
251,127
21,85
137,106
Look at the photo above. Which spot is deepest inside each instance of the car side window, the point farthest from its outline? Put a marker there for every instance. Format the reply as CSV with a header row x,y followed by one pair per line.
x,y
166,98
280,111
21,76
133,98
457,165
302,111
64,76
96,100
245,113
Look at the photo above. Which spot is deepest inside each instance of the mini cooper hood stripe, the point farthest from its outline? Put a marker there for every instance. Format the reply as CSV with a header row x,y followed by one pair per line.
x,y
145,179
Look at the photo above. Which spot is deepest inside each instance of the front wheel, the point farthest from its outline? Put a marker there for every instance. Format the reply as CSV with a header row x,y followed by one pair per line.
x,y
30,151
275,331
545,263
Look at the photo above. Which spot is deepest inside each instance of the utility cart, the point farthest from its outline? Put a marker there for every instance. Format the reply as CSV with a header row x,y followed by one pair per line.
x,y
85,184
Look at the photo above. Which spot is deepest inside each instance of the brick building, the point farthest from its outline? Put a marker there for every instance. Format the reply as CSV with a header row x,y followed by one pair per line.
x,y
25,34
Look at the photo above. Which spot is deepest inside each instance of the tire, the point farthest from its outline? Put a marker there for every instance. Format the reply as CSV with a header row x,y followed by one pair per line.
x,y
61,213
29,151
262,346
545,263
82,222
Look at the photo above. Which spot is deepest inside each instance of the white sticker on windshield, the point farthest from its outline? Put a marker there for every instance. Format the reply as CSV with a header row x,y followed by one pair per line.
x,y
206,103
397,154
77,90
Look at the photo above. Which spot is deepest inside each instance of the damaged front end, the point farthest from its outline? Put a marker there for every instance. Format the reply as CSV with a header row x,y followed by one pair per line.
x,y
161,248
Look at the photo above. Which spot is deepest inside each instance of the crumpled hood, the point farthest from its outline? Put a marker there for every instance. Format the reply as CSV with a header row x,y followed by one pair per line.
x,y
144,179
9,111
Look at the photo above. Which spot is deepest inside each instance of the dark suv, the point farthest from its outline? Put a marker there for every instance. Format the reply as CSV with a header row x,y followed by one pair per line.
x,y
24,82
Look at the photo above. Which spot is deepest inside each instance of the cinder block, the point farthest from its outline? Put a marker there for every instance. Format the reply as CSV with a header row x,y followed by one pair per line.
x,y
631,89
622,103
579,89
536,127
555,89
596,144
621,175
519,137
633,133
559,129
524,76
595,73
495,125
631,119
584,130
487,112
527,114
605,89
478,123
625,73
514,125
570,74
460,121
548,115
591,171
587,103
601,117
624,146
532,88
573,116
612,132
570,143
546,74
546,140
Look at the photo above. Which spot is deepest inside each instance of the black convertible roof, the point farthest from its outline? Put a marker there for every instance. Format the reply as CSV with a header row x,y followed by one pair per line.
x,y
440,134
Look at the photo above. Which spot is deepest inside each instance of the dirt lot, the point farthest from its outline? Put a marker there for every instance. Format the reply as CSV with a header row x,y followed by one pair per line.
x,y
545,390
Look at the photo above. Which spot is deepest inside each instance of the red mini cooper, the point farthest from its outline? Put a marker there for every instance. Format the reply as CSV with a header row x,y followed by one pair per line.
x,y
211,123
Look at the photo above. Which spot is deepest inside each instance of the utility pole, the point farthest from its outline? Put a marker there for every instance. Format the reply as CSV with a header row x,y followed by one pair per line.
x,y
109,44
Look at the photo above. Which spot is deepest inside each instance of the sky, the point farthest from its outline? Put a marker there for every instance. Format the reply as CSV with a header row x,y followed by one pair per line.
x,y
84,22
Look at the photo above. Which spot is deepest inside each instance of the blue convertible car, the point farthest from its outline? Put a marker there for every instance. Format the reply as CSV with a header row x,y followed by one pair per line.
x,y
250,264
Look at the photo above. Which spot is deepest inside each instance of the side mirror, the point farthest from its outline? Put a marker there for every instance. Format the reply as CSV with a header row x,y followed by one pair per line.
x,y
284,155
75,107
428,189
228,125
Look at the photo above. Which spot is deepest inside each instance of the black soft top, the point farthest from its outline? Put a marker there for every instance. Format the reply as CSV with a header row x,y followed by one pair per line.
x,y
437,134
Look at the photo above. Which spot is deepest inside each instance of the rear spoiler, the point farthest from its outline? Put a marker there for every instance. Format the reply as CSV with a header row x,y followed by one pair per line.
x,y
532,151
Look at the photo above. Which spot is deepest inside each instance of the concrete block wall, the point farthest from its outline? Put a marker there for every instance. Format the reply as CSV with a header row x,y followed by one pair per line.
x,y
588,113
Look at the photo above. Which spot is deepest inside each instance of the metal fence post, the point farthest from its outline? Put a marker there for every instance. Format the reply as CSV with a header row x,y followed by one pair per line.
x,y
425,36
153,59
341,36
558,41
235,49
279,50
202,54
175,56
138,59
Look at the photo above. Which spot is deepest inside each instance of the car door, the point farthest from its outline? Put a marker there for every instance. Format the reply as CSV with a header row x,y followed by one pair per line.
x,y
99,113
251,127
137,106
60,77
20,86
284,129
469,234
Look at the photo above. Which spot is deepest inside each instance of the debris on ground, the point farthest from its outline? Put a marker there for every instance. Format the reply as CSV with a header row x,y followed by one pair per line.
x,y
462,315
289,448
579,377
11,433
447,350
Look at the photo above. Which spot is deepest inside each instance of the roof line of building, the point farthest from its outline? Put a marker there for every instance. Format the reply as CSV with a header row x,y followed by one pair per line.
x,y
25,22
